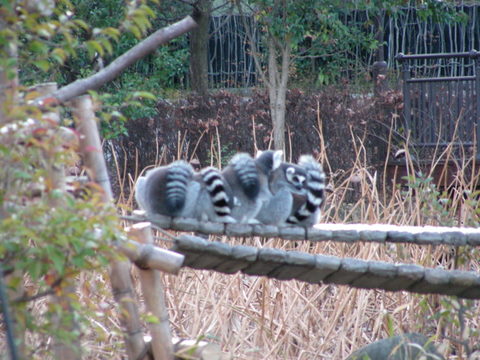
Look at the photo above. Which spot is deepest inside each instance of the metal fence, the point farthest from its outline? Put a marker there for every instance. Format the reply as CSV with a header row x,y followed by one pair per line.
x,y
407,33
231,63
440,106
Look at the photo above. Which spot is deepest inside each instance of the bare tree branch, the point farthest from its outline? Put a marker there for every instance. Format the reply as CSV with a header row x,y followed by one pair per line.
x,y
116,67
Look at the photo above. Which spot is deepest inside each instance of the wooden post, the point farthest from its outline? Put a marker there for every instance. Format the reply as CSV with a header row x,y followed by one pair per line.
x,y
8,99
9,82
154,297
56,174
52,119
121,282
151,257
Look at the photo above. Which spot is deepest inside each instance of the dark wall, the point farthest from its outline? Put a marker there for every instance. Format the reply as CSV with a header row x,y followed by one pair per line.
x,y
195,127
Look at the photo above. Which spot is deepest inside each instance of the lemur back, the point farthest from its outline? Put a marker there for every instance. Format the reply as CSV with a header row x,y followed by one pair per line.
x,y
284,182
248,180
175,190
168,190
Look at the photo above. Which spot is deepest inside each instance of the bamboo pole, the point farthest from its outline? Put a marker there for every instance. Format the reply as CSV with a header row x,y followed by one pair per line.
x,y
121,282
147,256
154,296
8,100
56,174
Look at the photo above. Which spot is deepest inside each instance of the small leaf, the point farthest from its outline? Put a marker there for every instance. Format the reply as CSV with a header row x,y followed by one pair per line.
x,y
78,261
151,319
43,65
116,113
148,11
106,45
34,269
19,174
57,257
112,33
94,47
142,22
59,55
38,47
81,24
135,31
143,95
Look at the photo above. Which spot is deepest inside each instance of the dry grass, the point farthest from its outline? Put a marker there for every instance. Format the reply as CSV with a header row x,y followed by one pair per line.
x,y
259,318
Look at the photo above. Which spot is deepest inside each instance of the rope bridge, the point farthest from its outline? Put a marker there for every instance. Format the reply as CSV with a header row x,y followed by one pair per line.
x,y
287,265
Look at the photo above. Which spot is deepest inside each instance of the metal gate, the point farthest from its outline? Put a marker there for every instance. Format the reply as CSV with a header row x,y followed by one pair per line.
x,y
441,94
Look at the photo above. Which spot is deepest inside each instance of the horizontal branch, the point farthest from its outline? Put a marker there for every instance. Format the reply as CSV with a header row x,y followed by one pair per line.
x,y
115,68
349,233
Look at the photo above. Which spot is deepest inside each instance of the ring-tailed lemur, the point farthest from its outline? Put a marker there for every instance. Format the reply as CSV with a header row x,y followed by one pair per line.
x,y
285,182
216,199
248,181
168,190
176,190
307,208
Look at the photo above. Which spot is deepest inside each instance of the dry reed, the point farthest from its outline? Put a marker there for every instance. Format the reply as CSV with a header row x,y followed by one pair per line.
x,y
258,318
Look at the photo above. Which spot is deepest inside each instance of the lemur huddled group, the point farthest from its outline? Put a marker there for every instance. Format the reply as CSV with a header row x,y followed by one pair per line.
x,y
260,190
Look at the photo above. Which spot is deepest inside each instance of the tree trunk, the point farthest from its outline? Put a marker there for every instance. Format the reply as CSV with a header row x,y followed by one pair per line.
x,y
277,87
379,35
199,49
8,75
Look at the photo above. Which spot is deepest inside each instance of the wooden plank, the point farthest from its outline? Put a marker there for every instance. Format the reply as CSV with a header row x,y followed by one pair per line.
x,y
268,260
288,265
350,270
241,257
349,233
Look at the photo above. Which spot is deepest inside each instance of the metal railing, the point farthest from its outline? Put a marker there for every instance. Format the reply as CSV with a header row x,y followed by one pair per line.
x,y
443,109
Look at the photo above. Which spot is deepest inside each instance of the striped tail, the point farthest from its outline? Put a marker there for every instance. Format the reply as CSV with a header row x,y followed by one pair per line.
x,y
179,174
215,185
315,186
247,174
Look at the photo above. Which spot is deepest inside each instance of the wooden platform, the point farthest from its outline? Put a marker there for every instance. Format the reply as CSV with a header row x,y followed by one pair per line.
x,y
287,265
349,233
316,268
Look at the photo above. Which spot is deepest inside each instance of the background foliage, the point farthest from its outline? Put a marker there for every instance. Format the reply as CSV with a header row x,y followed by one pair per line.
x,y
50,234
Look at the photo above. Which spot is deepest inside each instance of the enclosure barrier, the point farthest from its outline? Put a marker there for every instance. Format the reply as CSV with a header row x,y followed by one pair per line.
x,y
441,98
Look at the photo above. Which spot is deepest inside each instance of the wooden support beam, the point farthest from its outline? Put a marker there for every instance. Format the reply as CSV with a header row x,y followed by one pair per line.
x,y
147,256
122,288
154,296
